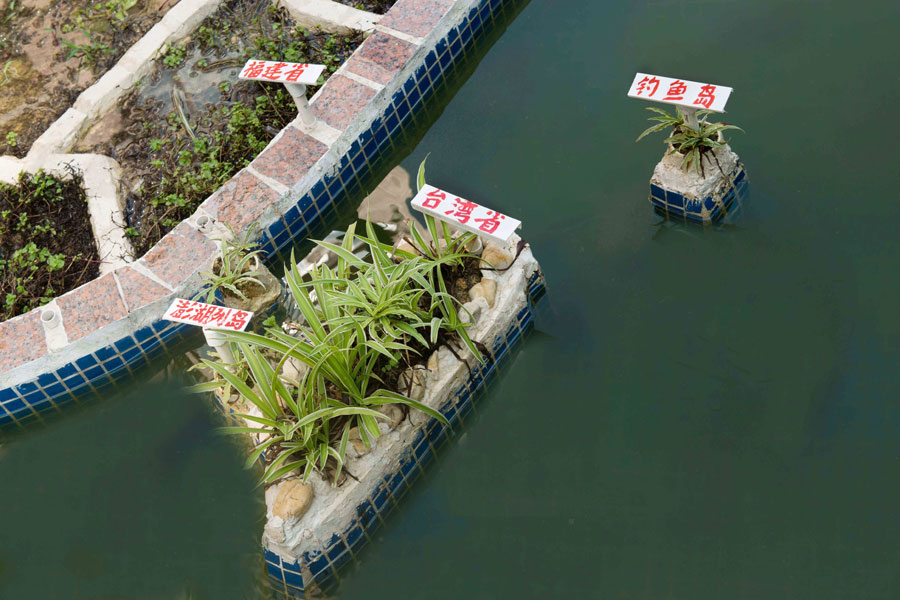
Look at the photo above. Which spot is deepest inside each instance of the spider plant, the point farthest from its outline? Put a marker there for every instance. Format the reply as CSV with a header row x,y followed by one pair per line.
x,y
230,269
361,320
691,143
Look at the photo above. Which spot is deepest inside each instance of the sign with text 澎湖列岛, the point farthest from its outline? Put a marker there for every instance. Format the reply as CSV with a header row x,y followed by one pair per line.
x,y
209,316
281,72
465,215
689,94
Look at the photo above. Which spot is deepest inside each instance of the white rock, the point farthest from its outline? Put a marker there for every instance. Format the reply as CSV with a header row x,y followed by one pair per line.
x,y
293,500
497,256
412,383
669,175
487,289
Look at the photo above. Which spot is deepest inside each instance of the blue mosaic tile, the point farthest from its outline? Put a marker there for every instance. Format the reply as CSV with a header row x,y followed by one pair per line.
x,y
26,388
75,381
46,379
434,73
94,372
34,397
293,579
40,407
445,60
55,390
6,394
5,420
457,45
114,365
12,406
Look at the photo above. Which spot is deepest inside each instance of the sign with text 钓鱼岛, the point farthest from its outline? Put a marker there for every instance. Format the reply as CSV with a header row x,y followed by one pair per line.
x,y
465,215
689,94
209,316
281,72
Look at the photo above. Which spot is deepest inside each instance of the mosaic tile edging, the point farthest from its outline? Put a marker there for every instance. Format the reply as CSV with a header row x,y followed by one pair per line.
x,y
95,364
324,567
673,204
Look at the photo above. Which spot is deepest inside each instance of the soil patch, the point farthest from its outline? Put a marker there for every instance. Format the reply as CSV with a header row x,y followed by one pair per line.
x,y
52,50
193,124
46,244
379,7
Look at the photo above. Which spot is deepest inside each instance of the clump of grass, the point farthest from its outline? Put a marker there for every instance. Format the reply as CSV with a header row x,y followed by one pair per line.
x,y
364,323
692,143
46,247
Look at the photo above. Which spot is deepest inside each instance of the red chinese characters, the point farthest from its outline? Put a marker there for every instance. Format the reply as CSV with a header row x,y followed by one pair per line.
x,y
238,320
182,310
706,96
645,83
254,68
462,210
676,90
295,73
273,72
207,315
434,199
490,224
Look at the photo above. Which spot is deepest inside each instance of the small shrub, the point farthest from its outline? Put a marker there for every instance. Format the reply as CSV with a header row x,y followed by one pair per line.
x,y
693,144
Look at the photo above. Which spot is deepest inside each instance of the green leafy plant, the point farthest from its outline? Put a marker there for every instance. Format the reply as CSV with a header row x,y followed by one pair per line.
x,y
364,324
12,139
40,254
89,53
231,270
173,56
692,143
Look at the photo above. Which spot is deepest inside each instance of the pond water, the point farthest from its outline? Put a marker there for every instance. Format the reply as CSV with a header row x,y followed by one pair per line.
x,y
701,413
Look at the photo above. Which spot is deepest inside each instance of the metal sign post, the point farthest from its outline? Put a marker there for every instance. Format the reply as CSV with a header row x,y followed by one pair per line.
x,y
294,76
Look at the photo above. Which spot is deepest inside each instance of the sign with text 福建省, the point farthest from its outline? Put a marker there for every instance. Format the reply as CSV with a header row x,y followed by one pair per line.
x,y
689,94
208,316
281,72
465,215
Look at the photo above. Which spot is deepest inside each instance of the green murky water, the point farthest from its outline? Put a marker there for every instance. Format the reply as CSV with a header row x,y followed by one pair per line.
x,y
702,413
706,414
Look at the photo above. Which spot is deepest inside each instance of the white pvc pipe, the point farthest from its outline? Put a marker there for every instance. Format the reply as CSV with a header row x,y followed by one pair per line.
x,y
298,93
216,339
690,118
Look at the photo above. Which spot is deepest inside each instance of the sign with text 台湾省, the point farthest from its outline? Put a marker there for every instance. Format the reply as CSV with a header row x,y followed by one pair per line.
x,y
281,72
690,94
465,215
209,316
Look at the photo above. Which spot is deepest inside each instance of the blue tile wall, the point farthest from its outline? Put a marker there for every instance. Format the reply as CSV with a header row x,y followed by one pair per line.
x,y
673,204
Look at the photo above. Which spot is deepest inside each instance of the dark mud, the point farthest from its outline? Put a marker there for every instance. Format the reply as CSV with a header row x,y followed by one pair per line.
x,y
379,7
52,50
46,244
193,124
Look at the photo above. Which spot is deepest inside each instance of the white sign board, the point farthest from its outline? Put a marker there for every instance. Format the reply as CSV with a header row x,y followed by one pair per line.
x,y
465,215
282,72
677,91
209,316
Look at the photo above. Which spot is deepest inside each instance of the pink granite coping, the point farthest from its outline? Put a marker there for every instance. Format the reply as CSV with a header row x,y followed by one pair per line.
x,y
341,100
241,201
138,290
22,340
178,254
91,306
289,158
380,56
416,17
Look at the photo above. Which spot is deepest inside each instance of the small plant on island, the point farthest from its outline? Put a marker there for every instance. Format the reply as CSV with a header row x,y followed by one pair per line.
x,y
233,271
692,144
